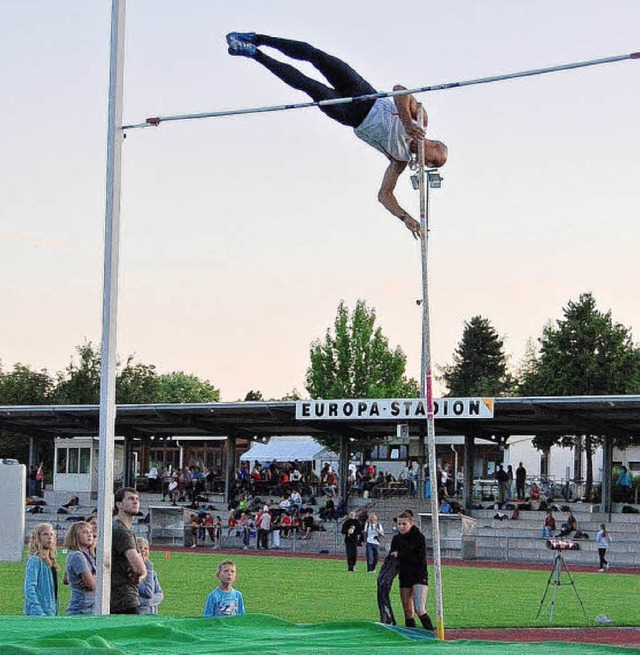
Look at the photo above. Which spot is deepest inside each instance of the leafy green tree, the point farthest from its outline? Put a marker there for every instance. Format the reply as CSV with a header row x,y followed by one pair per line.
x,y
79,384
479,362
294,394
526,375
355,361
24,386
253,395
180,387
137,383
584,353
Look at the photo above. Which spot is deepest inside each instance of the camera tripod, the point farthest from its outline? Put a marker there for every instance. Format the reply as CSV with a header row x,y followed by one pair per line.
x,y
559,564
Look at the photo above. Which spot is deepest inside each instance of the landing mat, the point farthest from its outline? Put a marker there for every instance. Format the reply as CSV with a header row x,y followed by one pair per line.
x,y
253,633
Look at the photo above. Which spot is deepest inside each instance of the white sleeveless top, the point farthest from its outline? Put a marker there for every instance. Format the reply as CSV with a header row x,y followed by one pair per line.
x,y
383,130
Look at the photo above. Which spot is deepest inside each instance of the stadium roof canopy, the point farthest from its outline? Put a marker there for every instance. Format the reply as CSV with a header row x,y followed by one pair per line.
x,y
604,415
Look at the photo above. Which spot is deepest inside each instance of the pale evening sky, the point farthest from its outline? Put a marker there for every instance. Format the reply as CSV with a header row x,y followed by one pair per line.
x,y
241,235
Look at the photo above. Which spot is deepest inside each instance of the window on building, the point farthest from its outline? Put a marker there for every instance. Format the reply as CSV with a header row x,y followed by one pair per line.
x,y
74,461
383,452
85,460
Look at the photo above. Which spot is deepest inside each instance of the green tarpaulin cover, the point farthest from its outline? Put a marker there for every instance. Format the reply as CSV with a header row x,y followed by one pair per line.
x,y
253,633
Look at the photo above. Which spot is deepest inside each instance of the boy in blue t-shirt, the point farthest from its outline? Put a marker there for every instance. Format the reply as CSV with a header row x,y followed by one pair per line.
x,y
224,600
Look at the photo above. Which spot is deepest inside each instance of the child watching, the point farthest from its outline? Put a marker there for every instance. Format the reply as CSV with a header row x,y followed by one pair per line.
x,y
149,589
41,575
224,600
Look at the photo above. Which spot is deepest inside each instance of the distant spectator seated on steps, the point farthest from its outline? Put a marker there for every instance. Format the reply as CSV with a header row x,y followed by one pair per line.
x,y
285,502
296,499
569,526
445,508
534,493
307,524
331,484
70,506
378,489
328,512
549,525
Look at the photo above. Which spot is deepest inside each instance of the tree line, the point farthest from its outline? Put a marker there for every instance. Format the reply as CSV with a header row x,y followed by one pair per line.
x,y
585,352
79,384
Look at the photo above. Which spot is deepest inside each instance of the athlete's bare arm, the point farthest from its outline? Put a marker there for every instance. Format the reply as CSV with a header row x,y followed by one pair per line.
x,y
407,107
388,199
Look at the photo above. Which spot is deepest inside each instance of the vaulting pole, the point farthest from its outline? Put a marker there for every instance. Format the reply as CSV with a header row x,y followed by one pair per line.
x,y
426,381
110,309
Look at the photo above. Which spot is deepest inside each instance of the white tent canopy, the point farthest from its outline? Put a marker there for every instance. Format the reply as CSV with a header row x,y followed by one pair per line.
x,y
288,449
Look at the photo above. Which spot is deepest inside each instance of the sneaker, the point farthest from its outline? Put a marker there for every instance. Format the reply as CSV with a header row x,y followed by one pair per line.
x,y
194,546
600,570
608,566
244,37
240,49
603,619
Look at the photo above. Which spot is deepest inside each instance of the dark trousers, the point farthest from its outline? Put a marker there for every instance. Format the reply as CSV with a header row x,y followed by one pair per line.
x,y
601,553
520,489
352,554
263,539
345,82
126,610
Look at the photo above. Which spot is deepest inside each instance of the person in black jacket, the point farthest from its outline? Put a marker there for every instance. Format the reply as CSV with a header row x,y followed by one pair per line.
x,y
521,481
352,531
410,548
502,479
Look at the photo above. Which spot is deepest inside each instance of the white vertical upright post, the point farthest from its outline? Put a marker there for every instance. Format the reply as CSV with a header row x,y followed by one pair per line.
x,y
109,308
426,382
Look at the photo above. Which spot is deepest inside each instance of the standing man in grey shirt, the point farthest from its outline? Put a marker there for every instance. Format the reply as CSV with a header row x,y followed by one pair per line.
x,y
127,565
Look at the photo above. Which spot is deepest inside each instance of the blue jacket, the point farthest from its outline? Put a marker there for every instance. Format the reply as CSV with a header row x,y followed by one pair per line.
x,y
151,594
39,591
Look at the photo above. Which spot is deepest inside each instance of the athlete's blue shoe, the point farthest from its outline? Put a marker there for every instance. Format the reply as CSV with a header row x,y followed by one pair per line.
x,y
244,37
242,49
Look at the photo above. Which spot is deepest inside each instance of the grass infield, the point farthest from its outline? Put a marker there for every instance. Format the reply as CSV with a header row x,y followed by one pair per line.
x,y
308,591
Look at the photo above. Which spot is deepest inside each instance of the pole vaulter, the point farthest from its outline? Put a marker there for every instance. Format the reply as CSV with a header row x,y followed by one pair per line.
x,y
384,120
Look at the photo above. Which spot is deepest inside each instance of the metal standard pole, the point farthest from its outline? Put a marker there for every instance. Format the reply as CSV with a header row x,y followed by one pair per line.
x,y
109,309
426,382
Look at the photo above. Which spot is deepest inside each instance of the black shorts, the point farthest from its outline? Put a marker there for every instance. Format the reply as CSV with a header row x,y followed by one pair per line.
x,y
410,578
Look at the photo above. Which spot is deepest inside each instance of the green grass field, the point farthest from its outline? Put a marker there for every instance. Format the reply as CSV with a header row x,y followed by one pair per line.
x,y
309,591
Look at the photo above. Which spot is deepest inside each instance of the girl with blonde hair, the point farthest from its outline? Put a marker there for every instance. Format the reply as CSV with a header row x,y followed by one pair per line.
x,y
41,574
151,594
80,568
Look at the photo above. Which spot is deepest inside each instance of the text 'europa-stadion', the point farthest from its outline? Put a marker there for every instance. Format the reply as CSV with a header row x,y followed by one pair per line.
x,y
399,408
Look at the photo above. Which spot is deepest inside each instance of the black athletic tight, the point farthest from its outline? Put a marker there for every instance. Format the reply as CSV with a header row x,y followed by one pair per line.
x,y
345,82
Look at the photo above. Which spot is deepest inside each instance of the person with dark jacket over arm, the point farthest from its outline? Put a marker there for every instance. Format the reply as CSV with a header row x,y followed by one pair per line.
x,y
352,531
410,547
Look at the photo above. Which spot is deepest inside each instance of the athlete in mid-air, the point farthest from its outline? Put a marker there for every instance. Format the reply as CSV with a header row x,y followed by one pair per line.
x,y
387,124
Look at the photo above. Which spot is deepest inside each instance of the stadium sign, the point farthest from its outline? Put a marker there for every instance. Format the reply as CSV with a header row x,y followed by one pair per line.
x,y
404,409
